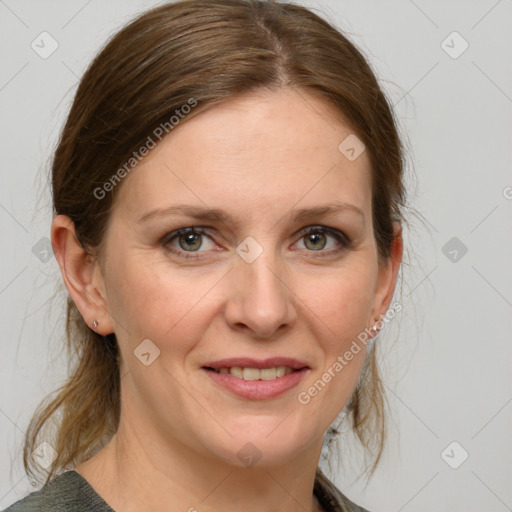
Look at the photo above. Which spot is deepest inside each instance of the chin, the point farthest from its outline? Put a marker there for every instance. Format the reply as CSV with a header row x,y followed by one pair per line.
x,y
259,449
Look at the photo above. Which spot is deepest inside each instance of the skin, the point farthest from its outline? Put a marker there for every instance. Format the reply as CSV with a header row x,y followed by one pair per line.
x,y
260,157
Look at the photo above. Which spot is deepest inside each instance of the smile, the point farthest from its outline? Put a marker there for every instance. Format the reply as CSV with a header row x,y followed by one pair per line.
x,y
256,383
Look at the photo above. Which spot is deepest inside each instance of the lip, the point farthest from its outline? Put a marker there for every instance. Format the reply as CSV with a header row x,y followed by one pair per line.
x,y
248,362
257,389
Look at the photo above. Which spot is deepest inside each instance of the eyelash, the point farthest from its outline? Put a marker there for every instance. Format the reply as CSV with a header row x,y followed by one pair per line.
x,y
345,241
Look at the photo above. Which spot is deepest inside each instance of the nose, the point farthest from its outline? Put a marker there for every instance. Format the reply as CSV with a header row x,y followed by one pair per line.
x,y
260,302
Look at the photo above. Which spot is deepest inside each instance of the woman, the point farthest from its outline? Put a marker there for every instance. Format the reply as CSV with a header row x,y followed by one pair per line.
x,y
228,203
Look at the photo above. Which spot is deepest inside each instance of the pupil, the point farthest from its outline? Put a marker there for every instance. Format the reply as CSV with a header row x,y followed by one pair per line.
x,y
190,239
315,238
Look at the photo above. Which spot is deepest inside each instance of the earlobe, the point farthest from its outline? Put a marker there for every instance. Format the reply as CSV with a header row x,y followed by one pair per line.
x,y
81,275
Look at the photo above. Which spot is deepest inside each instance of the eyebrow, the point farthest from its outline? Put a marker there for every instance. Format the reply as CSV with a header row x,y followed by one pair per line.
x,y
200,213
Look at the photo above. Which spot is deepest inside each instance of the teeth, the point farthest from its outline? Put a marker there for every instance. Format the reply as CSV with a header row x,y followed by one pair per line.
x,y
280,371
236,371
251,373
268,373
256,373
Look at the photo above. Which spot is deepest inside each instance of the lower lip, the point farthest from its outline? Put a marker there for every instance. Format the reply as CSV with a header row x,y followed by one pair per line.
x,y
257,389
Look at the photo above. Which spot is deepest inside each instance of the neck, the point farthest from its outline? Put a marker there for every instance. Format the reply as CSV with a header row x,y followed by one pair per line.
x,y
132,474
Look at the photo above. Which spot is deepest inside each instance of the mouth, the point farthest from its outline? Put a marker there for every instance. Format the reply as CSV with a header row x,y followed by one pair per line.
x,y
256,379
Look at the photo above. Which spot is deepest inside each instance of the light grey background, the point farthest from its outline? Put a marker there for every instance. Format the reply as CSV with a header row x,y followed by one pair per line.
x,y
448,376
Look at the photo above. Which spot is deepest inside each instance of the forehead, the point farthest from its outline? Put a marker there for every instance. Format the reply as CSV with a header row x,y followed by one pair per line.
x,y
262,150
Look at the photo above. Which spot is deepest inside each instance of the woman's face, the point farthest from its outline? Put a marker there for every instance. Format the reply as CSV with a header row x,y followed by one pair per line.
x,y
248,284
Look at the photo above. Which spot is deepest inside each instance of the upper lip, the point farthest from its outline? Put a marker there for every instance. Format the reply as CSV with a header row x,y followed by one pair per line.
x,y
249,362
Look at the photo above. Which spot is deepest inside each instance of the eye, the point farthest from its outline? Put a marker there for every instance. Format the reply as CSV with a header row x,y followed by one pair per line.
x,y
188,240
316,239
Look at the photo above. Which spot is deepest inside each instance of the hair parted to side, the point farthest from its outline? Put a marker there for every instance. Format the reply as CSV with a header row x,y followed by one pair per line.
x,y
210,51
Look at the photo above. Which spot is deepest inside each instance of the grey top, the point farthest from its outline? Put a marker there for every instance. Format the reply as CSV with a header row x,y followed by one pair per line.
x,y
71,492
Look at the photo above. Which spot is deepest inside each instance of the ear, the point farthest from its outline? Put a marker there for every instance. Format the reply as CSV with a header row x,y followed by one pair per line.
x,y
387,276
82,275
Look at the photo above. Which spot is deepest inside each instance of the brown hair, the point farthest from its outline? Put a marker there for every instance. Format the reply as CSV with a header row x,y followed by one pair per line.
x,y
208,51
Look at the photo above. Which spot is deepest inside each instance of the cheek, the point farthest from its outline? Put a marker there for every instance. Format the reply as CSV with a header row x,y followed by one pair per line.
x,y
340,302
157,302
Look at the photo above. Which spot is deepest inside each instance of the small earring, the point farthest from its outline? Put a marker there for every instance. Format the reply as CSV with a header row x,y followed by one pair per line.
x,y
375,329
95,324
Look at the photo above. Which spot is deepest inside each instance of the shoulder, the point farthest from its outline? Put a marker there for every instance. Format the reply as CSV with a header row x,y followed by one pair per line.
x,y
67,492
331,498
